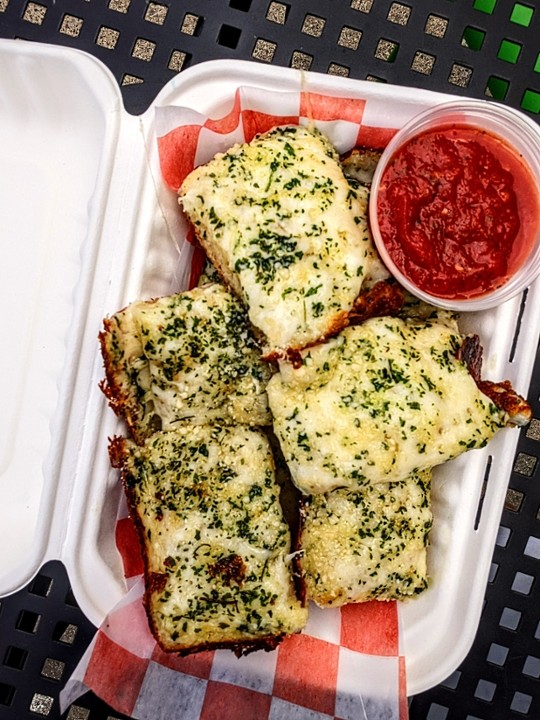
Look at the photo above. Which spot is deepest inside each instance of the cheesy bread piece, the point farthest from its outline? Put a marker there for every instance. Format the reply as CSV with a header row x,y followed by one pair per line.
x,y
376,403
286,231
190,356
366,544
216,547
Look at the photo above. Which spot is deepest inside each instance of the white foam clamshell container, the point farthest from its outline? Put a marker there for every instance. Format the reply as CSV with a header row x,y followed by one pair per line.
x,y
86,228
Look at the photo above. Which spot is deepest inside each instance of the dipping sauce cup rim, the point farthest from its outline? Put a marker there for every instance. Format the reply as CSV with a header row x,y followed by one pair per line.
x,y
518,132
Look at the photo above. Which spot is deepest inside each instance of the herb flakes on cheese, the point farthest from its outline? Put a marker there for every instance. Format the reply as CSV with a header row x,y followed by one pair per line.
x,y
377,402
366,544
190,356
287,231
215,544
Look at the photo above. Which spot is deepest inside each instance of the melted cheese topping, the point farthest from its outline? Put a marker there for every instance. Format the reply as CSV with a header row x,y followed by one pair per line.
x,y
190,356
376,403
214,536
367,544
280,219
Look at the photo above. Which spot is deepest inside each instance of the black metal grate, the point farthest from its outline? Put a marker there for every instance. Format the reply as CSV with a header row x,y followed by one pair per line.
x,y
479,48
43,636
473,47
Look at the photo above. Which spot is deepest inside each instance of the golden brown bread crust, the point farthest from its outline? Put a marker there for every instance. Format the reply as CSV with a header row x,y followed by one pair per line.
x,y
384,298
117,397
502,394
360,163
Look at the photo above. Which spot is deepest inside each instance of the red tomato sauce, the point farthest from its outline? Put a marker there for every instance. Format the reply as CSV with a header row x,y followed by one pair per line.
x,y
458,211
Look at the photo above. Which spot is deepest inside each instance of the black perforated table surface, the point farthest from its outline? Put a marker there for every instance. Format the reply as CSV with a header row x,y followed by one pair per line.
x,y
478,48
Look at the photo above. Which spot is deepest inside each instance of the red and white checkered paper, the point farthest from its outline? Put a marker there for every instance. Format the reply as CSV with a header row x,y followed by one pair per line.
x,y
346,664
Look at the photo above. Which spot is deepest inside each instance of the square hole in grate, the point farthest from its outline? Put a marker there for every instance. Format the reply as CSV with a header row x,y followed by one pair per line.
x,y
362,5
423,63
533,429
522,14
503,536
156,13
107,37
65,632
532,548
71,25
437,712
277,12
243,5
128,79
510,618
514,500
41,585
497,654
177,60
522,583
191,24
7,693
337,69
264,50
452,681
497,87
531,666
53,669
313,25
229,36
301,60
386,50
509,51
119,5
35,13
399,13
349,38
15,657
143,49
436,26
494,568
28,621
473,38
525,464
521,703
78,713
374,78
460,75
485,6
41,704
3,5
485,690
531,101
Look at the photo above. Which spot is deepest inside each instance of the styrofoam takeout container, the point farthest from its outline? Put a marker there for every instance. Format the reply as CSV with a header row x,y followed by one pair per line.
x,y
87,227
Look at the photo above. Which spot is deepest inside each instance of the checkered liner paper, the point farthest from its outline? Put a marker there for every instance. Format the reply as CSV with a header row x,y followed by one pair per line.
x,y
346,664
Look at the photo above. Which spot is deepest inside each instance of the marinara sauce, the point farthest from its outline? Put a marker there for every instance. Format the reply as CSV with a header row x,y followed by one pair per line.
x,y
457,210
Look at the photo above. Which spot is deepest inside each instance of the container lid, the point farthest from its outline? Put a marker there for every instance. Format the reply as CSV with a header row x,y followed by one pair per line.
x,y
59,123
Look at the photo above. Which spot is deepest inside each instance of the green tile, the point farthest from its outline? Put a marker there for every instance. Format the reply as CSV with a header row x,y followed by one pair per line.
x,y
537,63
531,101
522,14
509,51
497,87
473,38
485,6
